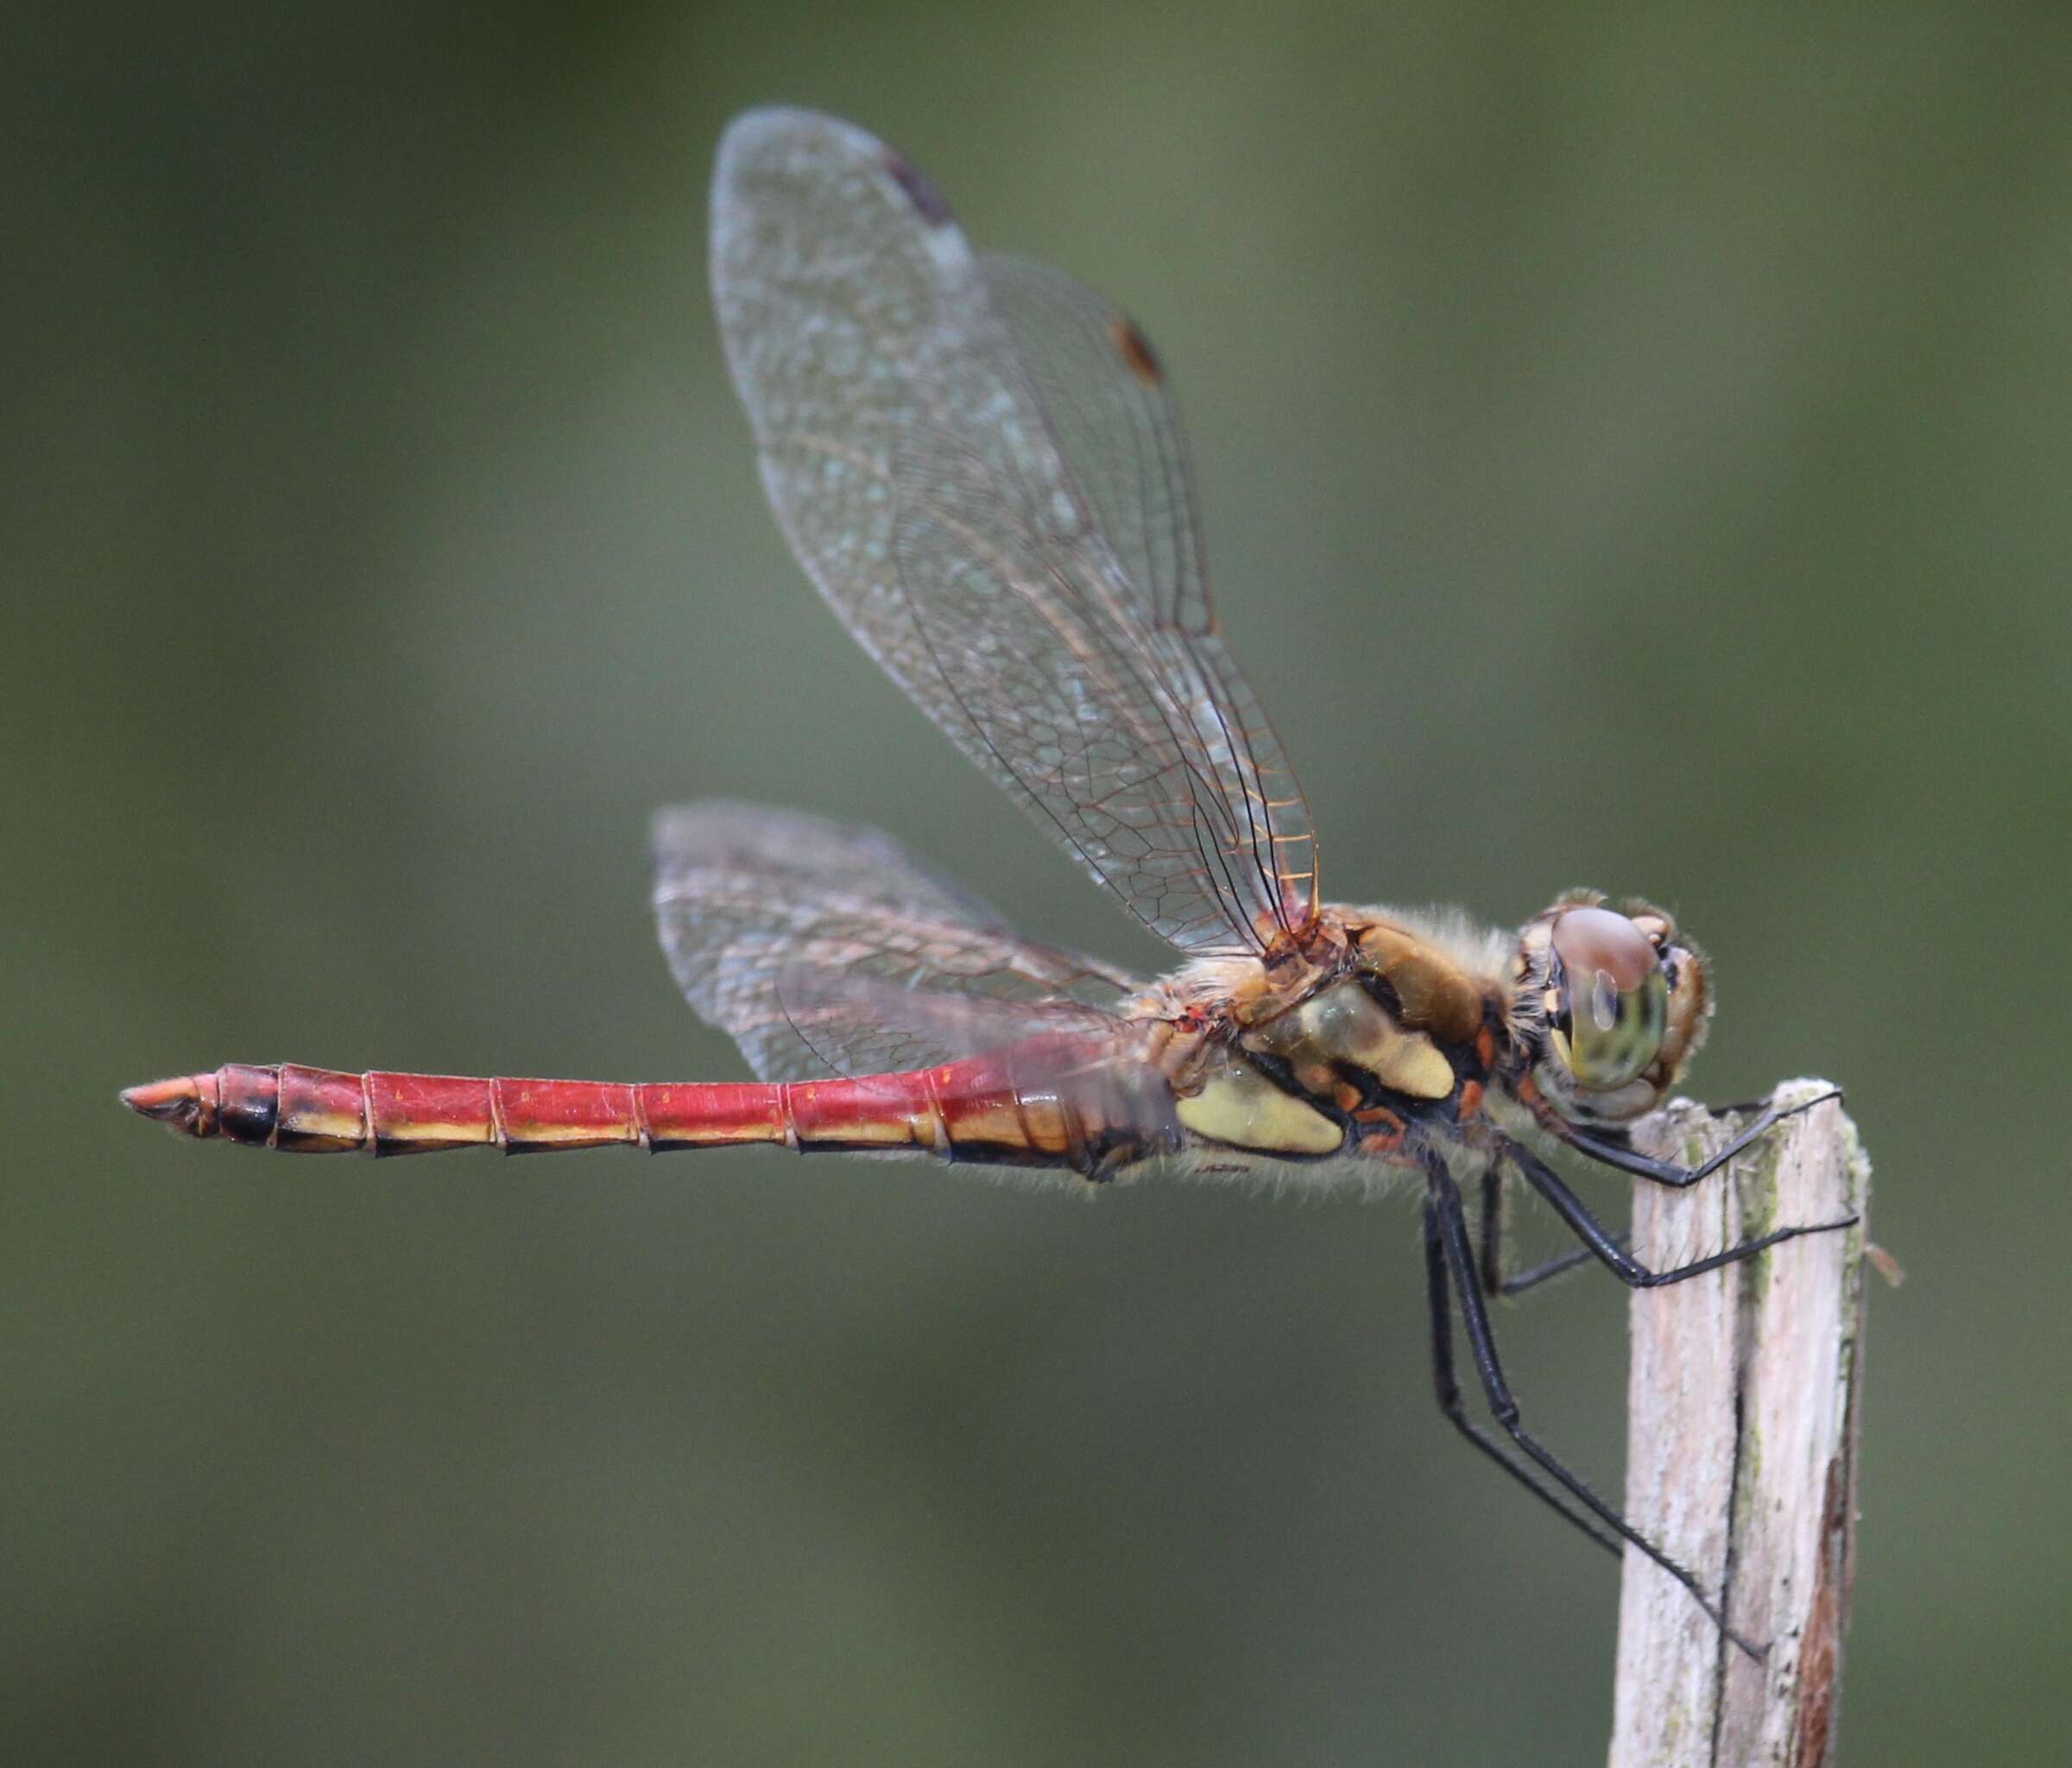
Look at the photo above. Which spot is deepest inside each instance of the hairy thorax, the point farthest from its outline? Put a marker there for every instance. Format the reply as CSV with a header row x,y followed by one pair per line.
x,y
1378,1035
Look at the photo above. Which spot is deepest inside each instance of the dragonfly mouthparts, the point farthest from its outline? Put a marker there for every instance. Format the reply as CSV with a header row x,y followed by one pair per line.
x,y
177,1101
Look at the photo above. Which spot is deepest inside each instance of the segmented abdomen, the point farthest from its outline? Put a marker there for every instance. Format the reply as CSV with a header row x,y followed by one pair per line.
x,y
979,1109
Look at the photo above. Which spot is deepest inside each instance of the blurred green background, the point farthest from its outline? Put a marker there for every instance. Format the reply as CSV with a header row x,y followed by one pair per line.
x,y
1634,449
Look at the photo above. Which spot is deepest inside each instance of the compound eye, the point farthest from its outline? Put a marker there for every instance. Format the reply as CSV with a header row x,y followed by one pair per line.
x,y
1612,995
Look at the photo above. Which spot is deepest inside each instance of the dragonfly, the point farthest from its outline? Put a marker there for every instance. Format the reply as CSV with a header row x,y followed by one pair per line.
x,y
979,463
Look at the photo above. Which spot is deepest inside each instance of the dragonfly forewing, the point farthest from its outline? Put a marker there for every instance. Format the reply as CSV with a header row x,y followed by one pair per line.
x,y
1059,636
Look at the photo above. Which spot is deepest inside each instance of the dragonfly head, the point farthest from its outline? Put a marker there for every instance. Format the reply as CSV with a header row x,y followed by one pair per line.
x,y
1610,1004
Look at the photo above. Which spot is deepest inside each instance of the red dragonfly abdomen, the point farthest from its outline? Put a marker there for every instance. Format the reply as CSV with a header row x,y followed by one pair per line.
x,y
972,1109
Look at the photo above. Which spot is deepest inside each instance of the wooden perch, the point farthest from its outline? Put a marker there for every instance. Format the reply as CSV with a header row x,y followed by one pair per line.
x,y
1741,1449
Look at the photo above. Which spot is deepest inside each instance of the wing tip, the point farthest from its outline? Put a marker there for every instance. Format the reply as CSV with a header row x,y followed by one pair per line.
x,y
676,828
763,126
773,130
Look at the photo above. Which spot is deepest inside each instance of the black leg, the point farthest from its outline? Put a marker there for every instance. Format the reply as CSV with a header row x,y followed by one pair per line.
x,y
1609,1248
1629,1159
1491,1257
1444,1211
1449,1389
1533,1275
1490,1246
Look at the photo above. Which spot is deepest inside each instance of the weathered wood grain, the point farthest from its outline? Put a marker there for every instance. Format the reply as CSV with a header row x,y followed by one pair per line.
x,y
1742,1452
